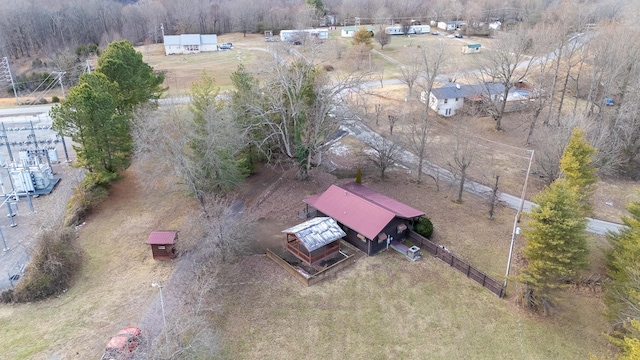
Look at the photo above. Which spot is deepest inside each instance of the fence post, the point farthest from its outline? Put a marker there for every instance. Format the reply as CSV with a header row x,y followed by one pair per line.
x,y
484,277
468,269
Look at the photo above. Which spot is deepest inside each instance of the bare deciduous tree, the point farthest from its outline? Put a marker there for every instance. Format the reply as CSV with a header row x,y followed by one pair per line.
x,y
384,154
464,149
507,64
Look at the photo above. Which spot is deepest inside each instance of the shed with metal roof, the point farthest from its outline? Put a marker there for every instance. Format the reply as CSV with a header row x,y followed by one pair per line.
x,y
314,239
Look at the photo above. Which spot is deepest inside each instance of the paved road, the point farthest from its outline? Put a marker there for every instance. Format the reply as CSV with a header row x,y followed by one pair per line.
x,y
354,125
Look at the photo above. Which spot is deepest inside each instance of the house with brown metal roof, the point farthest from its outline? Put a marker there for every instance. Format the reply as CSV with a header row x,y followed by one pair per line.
x,y
369,219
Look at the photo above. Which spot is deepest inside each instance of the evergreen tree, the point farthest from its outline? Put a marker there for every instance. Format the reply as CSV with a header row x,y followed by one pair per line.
x,y
215,140
362,36
137,82
623,268
316,4
556,245
577,169
89,116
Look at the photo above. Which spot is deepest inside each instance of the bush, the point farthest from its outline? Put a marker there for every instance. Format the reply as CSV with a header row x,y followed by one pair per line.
x,y
55,99
55,260
86,196
424,227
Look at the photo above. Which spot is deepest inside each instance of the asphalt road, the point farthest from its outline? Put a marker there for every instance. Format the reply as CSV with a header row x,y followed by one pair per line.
x,y
353,125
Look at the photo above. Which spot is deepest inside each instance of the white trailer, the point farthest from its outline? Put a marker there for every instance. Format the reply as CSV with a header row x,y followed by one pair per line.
x,y
413,29
299,35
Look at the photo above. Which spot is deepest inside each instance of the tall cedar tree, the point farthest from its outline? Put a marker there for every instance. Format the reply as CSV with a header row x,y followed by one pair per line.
x,y
577,168
215,141
89,116
556,243
623,268
136,80
362,36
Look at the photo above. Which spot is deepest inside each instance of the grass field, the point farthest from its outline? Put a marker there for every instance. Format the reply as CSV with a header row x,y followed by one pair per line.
x,y
381,307
387,307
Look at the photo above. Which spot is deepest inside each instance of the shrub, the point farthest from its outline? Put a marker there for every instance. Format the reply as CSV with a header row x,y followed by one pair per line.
x,y
55,260
328,68
55,99
424,227
86,196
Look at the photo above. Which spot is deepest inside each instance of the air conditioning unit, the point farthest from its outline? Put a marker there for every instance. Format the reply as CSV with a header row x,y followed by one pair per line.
x,y
414,253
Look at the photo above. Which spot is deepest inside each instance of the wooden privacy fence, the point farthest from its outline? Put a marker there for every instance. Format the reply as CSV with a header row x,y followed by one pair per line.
x,y
443,254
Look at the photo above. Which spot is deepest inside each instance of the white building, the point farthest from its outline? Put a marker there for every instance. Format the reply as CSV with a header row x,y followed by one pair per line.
x,y
299,35
189,43
451,25
350,31
471,48
447,99
413,29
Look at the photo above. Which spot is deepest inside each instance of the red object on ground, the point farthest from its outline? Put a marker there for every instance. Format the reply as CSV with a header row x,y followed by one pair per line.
x,y
122,345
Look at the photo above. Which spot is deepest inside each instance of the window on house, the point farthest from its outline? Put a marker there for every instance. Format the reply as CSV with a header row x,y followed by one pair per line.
x,y
382,237
401,228
457,99
362,237
446,100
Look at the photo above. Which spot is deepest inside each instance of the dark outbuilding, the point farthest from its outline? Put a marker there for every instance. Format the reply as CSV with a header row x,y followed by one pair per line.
x,y
163,244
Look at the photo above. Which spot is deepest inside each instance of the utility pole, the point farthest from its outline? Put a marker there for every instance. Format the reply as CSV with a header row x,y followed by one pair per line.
x,y
6,71
516,229
59,74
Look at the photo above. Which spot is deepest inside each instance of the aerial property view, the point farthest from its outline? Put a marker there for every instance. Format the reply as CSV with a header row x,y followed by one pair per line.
x,y
319,179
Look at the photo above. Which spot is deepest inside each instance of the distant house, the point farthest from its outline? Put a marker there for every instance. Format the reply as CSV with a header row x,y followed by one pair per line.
x,y
189,43
350,31
314,240
446,100
413,29
299,35
369,219
471,48
451,25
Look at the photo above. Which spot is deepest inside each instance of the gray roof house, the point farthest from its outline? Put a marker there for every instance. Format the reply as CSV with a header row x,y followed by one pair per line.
x,y
189,43
447,99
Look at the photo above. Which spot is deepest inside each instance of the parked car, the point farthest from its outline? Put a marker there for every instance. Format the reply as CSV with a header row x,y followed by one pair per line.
x,y
269,39
122,346
458,36
224,47
297,42
435,33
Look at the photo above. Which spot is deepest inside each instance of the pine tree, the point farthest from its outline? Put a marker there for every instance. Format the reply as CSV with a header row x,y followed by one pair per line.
x,y
623,268
556,245
577,168
362,36
89,116
137,82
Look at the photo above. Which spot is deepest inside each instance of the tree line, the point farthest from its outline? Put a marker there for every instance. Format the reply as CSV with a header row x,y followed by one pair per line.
x,y
31,27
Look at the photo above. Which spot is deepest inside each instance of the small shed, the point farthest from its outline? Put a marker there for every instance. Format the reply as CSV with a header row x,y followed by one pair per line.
x,y
471,48
163,244
314,239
